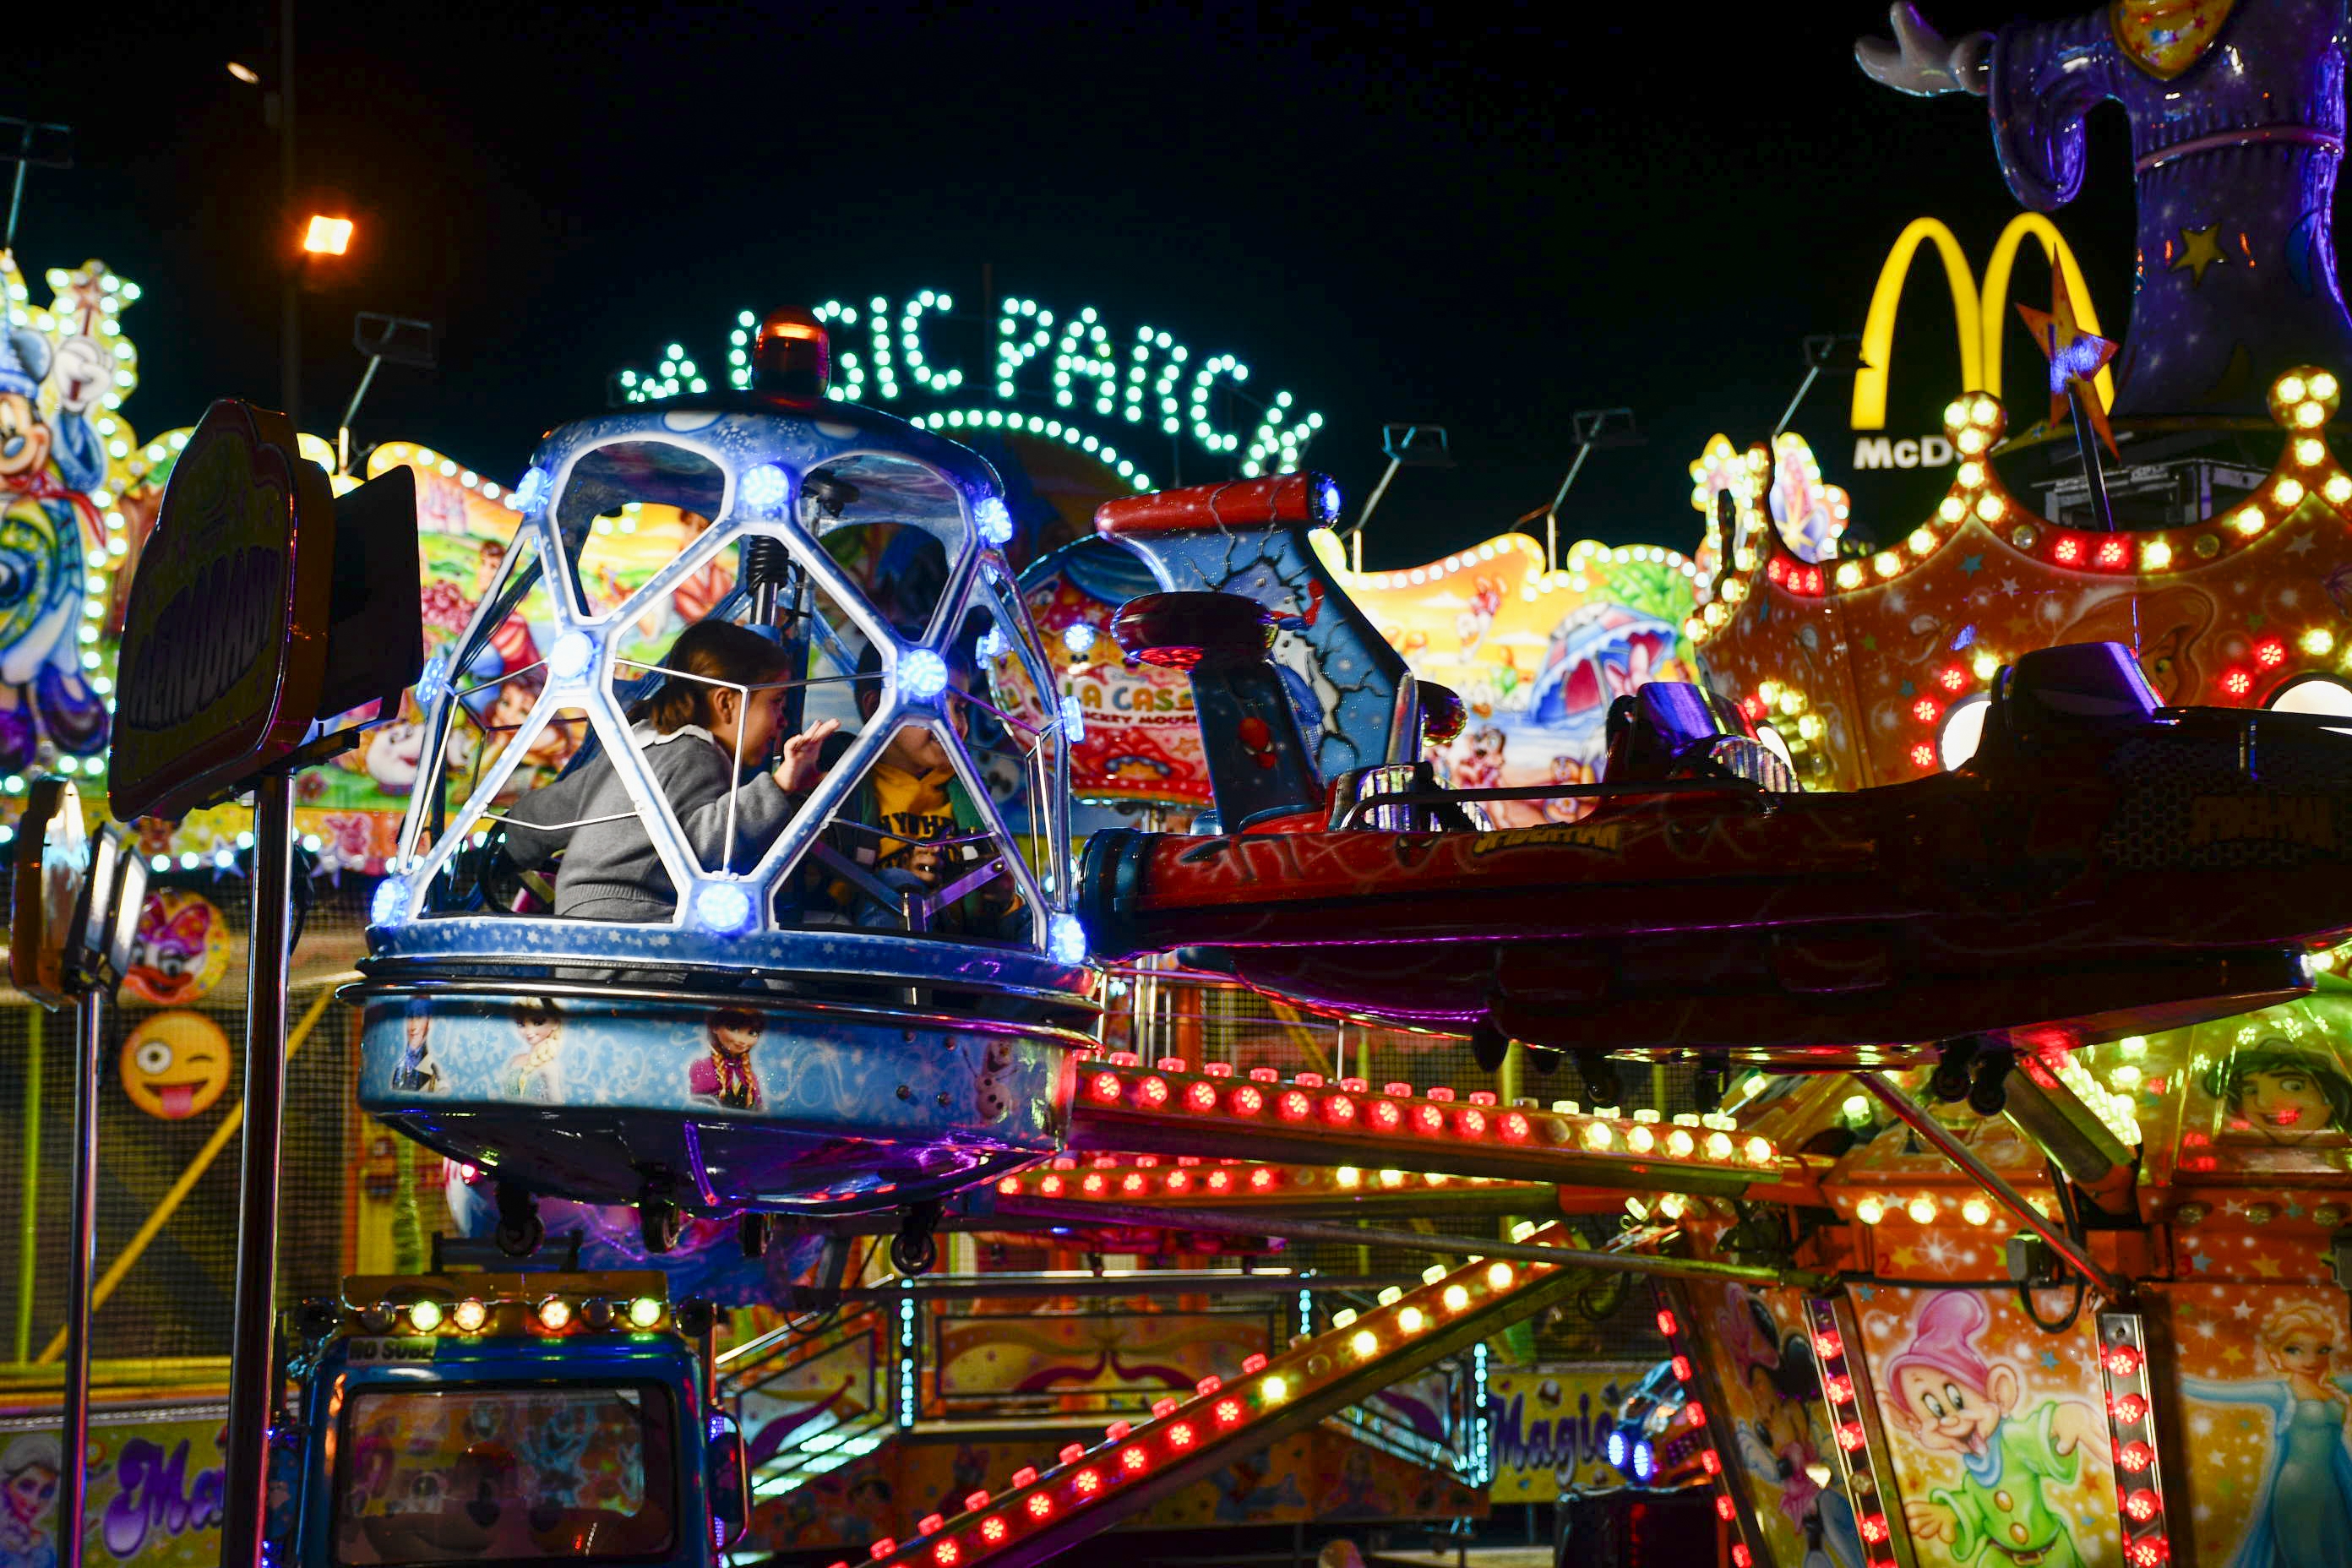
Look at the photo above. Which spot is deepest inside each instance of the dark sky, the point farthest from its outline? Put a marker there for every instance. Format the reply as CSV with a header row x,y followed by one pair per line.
x,y
1486,218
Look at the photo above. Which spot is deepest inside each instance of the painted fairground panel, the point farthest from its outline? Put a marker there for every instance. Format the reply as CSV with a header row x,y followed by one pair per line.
x,y
1999,1446
1537,656
1551,1430
2264,1394
2263,1095
1141,743
1087,1361
1311,1475
154,1496
1769,1386
430,1475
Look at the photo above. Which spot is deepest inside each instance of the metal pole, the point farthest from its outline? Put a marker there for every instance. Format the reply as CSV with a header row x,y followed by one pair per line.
x,y
1805,387
251,1395
2103,515
73,1482
1551,512
352,412
1909,1112
28,1222
16,196
290,324
1356,534
1156,1218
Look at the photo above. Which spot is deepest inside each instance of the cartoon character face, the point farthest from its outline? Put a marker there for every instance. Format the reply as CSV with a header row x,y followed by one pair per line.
x,y
734,1040
538,1029
175,1065
1946,1416
2291,1101
29,1492
395,753
24,434
2308,1353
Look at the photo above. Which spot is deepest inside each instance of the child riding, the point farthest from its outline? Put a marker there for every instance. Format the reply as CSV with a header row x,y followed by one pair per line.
x,y
716,710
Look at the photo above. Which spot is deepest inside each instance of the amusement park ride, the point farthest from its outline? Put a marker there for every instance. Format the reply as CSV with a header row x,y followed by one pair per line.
x,y
1994,880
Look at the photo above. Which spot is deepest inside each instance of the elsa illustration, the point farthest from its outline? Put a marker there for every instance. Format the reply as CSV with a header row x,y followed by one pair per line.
x,y
2304,1502
534,1072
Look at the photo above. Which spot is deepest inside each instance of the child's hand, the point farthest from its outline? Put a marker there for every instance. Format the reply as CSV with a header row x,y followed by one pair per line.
x,y
796,770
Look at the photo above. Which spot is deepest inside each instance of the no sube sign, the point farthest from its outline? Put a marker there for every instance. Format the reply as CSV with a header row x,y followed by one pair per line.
x,y
224,638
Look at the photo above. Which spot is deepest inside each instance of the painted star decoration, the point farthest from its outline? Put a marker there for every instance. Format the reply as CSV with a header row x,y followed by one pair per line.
x,y
2076,357
2199,249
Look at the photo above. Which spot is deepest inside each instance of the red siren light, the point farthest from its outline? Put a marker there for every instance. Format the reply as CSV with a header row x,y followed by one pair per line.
x,y
794,354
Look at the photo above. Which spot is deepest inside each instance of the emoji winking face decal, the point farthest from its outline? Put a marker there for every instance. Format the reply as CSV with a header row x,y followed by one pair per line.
x,y
175,1065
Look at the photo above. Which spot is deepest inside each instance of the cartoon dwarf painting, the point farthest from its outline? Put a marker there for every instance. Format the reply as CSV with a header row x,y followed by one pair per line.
x,y
1942,1391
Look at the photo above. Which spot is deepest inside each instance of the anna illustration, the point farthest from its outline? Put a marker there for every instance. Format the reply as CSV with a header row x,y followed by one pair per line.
x,y
534,1073
1952,1401
2304,1499
28,1489
2276,1093
726,1075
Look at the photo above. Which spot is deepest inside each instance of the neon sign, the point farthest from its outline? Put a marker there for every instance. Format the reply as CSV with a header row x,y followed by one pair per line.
x,y
1069,378
1979,317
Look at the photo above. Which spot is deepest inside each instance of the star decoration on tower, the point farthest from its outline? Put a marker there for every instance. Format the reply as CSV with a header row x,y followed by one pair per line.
x,y
2199,249
2076,357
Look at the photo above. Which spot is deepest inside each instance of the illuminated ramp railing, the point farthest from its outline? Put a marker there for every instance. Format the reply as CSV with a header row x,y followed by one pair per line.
x,y
811,1402
1087,1490
1125,1107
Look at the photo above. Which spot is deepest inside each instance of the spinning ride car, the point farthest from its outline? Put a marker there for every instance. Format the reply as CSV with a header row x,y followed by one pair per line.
x,y
798,1026
2103,863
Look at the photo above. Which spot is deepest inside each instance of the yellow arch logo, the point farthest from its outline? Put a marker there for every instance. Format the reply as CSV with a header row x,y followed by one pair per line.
x,y
1981,316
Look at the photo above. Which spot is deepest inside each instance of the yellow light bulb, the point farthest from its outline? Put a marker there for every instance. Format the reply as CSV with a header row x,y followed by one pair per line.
x,y
1922,1209
1870,1211
1366,1344
1456,1298
1975,1211
1411,1320
1498,1275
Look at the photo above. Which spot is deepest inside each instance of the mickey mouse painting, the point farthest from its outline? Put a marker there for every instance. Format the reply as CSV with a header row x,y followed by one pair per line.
x,y
47,470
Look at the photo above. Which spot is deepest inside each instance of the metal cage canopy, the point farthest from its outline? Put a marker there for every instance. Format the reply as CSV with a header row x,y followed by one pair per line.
x,y
862,1065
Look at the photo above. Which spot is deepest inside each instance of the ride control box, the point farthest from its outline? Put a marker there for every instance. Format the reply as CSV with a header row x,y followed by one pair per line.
x,y
490,1417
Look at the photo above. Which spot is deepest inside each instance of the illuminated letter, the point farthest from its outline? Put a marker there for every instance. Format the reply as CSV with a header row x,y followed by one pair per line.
x,y
1935,451
1022,330
1084,353
1872,452
1878,328
1906,453
910,338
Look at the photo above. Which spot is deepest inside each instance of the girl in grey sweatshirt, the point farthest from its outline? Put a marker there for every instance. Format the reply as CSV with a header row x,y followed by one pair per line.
x,y
692,733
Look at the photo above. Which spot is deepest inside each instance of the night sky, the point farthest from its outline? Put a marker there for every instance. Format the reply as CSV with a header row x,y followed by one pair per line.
x,y
1487,219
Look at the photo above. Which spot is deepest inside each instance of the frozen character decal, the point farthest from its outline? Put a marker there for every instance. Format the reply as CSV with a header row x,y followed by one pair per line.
x,y
2304,1502
46,519
28,1491
725,1077
535,1072
2276,1093
554,1444
417,1071
1950,1400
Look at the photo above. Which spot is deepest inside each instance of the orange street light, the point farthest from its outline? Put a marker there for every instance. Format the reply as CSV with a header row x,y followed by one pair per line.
x,y
327,236
245,73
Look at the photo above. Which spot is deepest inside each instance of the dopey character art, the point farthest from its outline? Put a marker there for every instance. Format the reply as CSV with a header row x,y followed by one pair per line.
x,y
1951,1400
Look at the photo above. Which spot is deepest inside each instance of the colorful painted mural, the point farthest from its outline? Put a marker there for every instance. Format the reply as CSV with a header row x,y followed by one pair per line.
x,y
155,1493
1087,1361
1551,1428
1316,1475
2000,1453
1770,1388
1537,656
